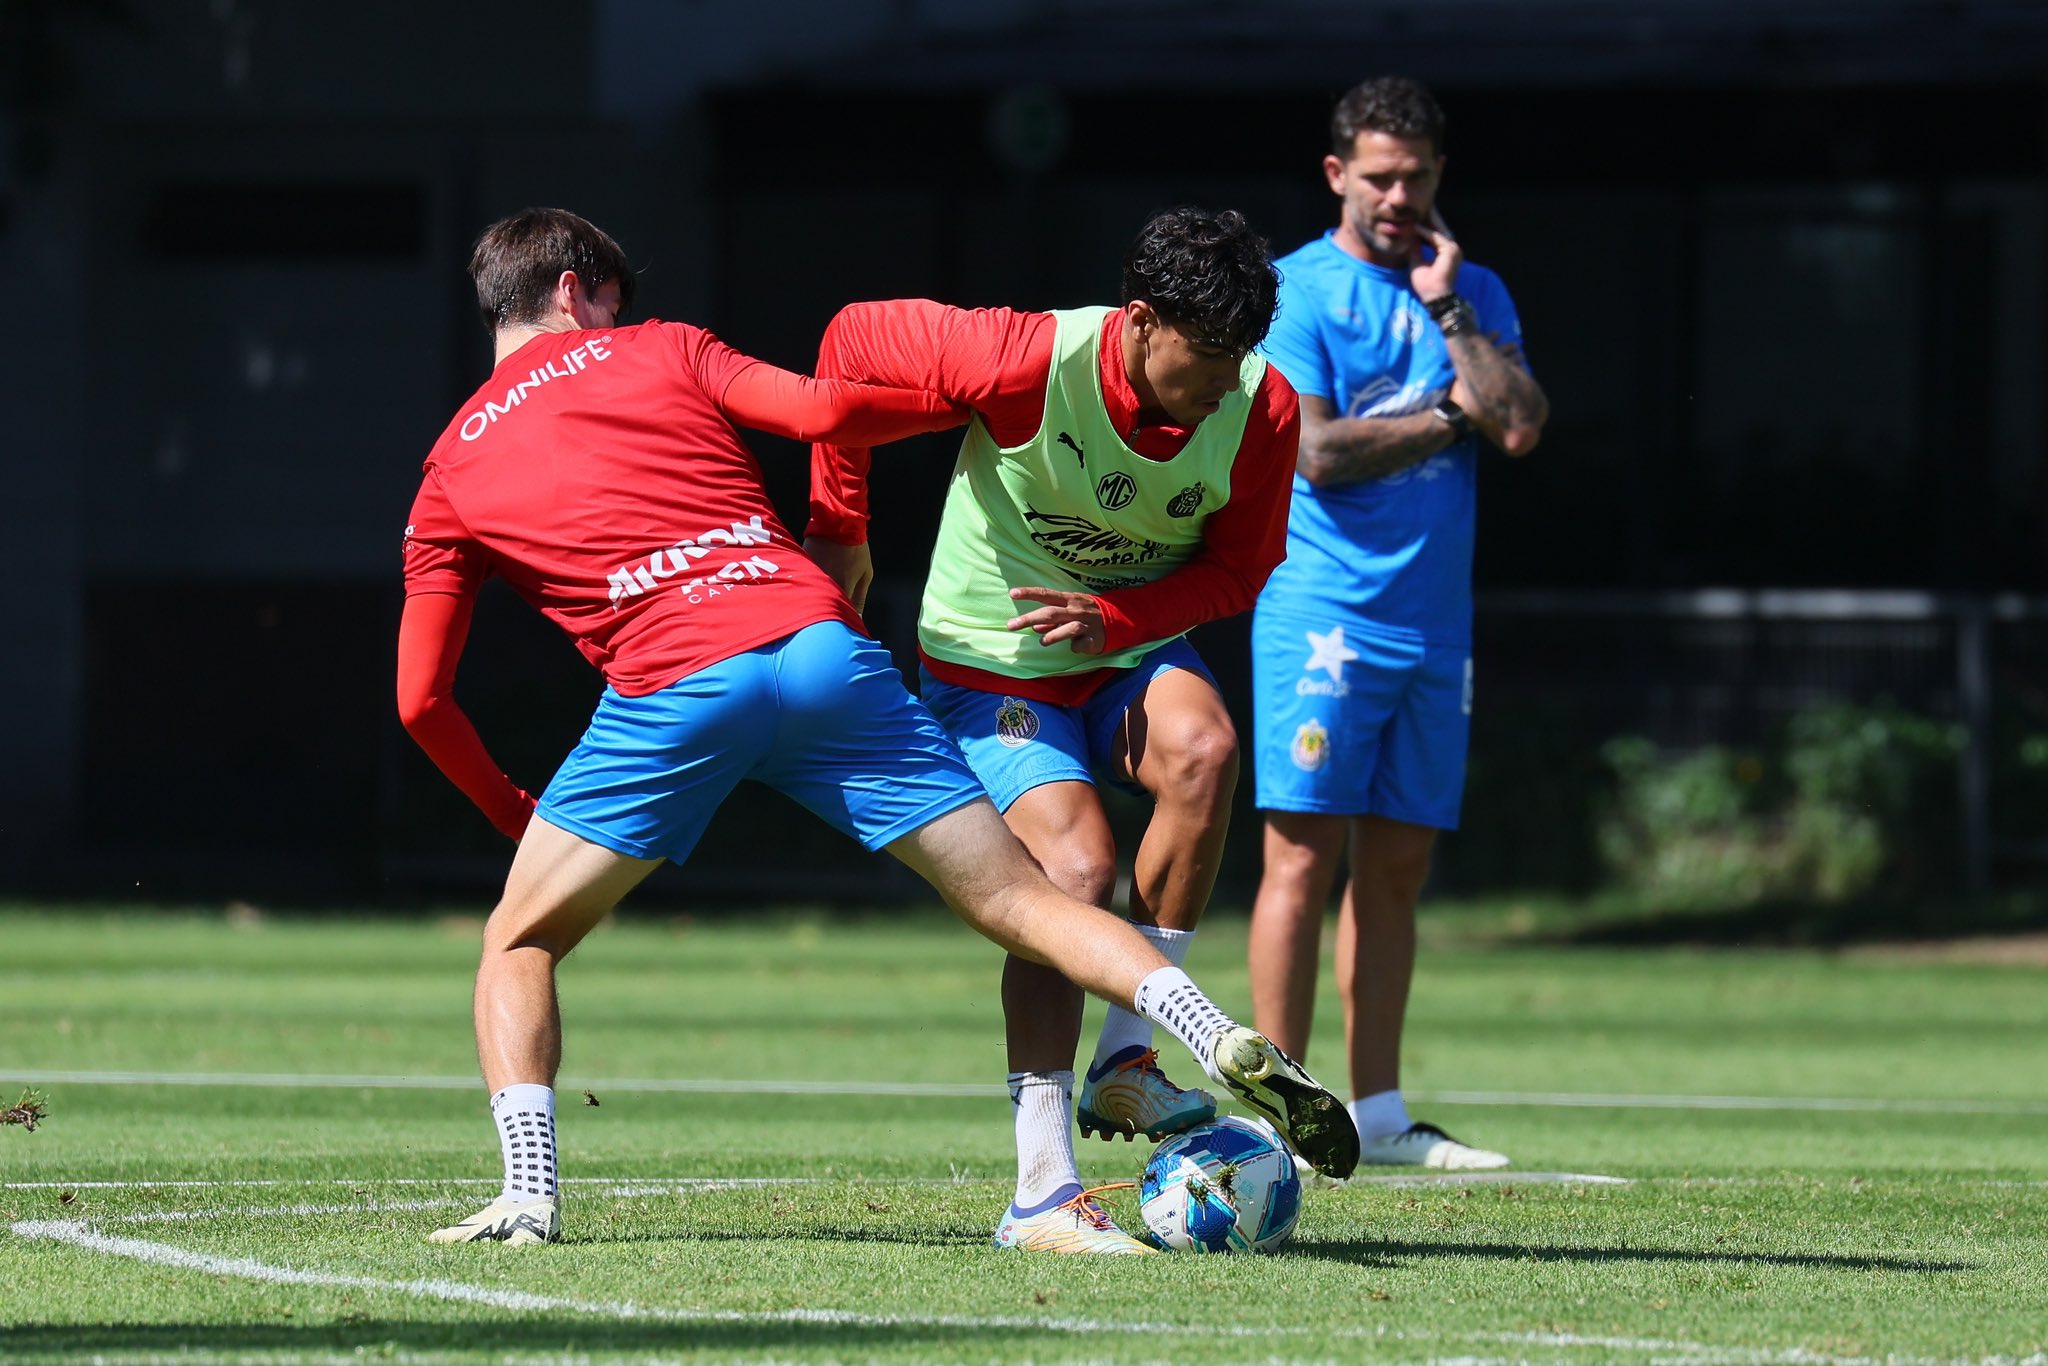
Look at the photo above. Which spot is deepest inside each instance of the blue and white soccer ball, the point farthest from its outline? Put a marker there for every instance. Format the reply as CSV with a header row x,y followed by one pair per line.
x,y
1225,1186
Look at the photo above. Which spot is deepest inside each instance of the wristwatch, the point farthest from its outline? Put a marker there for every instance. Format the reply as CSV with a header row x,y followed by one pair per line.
x,y
1454,417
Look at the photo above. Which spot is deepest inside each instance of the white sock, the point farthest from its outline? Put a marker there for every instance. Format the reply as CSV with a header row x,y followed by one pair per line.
x,y
1044,1106
1380,1114
1123,1028
1170,997
525,1112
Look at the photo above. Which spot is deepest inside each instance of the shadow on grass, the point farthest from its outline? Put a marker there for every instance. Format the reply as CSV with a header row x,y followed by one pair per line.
x,y
1609,921
572,1335
1387,1255
1359,1252
924,1238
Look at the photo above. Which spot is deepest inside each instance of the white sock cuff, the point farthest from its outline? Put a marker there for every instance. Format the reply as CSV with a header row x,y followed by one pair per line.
x,y
1380,1114
527,1097
1172,943
1019,1081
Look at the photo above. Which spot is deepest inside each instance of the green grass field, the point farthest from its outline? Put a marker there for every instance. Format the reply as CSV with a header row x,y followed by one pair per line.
x,y
1813,1159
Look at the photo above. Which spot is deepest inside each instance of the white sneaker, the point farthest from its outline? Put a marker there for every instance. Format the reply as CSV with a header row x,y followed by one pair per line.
x,y
1425,1145
1076,1224
516,1223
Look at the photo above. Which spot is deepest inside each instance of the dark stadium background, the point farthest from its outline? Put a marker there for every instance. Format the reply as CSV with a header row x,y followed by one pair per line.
x,y
1783,269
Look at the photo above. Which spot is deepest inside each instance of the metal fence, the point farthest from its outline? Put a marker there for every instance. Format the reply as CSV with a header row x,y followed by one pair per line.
x,y
1731,666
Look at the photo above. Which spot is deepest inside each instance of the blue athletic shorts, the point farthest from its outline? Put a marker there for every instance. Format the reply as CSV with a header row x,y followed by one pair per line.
x,y
821,716
1351,723
1015,744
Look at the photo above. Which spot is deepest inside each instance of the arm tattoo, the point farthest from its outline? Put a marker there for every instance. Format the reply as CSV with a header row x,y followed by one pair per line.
x,y
1502,393
1351,450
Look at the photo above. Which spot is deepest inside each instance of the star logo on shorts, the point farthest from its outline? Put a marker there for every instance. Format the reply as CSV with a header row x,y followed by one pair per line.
x,y
1329,653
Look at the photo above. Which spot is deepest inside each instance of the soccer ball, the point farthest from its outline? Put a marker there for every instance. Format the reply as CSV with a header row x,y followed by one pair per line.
x,y
1225,1186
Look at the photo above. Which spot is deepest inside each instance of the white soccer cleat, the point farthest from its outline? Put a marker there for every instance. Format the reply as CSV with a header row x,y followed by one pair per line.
x,y
1075,1224
1425,1145
516,1223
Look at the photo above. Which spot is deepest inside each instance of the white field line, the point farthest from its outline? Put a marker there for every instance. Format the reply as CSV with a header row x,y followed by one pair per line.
x,y
979,1090
1492,1178
623,1191
1663,1352
77,1233
374,1082
631,1187
1605,1101
616,1185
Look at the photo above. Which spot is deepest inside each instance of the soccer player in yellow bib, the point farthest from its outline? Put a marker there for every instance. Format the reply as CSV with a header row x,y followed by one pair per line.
x,y
1124,478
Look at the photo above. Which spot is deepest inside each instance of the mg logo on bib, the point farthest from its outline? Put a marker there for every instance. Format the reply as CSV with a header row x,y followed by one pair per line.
x,y
1115,490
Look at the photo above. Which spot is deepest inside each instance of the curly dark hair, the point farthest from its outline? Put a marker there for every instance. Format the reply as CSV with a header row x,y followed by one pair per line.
x,y
1207,271
1386,104
518,260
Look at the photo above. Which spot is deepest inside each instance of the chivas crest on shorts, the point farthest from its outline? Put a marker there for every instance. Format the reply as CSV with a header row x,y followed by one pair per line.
x,y
1016,723
1311,747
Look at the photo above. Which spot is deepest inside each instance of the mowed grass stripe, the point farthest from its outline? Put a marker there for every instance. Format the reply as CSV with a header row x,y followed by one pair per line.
x,y
736,1086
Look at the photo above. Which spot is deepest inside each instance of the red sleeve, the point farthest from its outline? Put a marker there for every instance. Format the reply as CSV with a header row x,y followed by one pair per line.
x,y
1242,542
431,633
440,556
770,399
994,361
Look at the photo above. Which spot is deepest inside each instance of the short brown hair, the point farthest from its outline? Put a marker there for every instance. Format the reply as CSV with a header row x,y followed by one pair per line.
x,y
518,260
1396,105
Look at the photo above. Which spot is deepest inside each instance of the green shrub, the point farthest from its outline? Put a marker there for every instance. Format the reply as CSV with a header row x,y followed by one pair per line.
x,y
1852,803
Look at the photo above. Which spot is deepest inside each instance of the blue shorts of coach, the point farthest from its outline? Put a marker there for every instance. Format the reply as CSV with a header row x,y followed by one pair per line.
x,y
821,716
1015,744
1352,722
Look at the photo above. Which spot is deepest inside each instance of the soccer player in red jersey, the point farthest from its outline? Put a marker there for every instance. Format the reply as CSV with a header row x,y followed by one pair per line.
x,y
599,473
1126,470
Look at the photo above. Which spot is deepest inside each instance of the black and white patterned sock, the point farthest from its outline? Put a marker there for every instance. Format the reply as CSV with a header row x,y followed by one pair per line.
x,y
525,1113
1170,997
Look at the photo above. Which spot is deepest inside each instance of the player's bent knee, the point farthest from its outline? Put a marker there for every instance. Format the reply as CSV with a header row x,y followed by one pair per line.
x,y
1200,768
1085,876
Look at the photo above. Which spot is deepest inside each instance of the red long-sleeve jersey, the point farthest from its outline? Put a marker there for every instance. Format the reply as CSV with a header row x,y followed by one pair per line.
x,y
600,475
998,363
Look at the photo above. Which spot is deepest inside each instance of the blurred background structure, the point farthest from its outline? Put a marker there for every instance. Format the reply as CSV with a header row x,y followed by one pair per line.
x,y
1782,264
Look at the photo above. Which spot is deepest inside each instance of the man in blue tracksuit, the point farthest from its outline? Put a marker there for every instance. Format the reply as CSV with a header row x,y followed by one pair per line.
x,y
1407,358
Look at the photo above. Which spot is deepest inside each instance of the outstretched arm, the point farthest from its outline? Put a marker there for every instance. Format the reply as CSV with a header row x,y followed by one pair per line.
x,y
431,633
990,361
784,403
